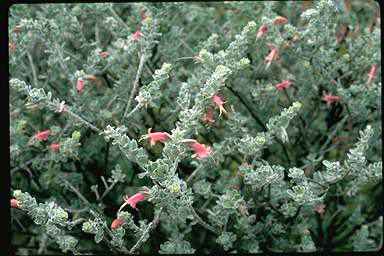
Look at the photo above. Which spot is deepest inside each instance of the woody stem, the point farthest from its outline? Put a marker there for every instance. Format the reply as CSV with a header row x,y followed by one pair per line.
x,y
203,223
135,84
82,120
151,226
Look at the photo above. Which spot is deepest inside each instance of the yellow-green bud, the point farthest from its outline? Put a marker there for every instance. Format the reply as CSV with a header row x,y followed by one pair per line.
x,y
17,193
76,135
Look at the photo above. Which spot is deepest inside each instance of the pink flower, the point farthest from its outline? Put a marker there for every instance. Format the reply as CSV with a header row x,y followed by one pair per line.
x,y
283,84
372,73
208,117
144,17
280,19
200,149
104,54
132,201
155,136
15,203
320,208
90,77
286,44
339,37
219,103
42,135
136,35
116,223
17,29
272,55
296,38
331,98
80,84
261,31
54,146
10,45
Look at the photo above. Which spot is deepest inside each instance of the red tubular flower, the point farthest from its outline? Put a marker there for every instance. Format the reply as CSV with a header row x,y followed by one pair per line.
x,y
155,136
15,203
10,46
339,37
320,209
136,35
116,223
272,55
132,201
331,98
42,135
286,44
90,77
280,19
296,38
54,146
261,31
219,103
372,73
208,117
200,149
144,17
80,84
104,54
17,29
283,84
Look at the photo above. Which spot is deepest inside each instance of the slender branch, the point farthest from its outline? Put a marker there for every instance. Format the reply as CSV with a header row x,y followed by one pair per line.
x,y
332,134
185,58
203,223
75,190
104,182
107,190
117,17
294,217
65,109
97,37
248,108
151,226
106,158
135,84
193,174
32,68
134,110
186,45
77,210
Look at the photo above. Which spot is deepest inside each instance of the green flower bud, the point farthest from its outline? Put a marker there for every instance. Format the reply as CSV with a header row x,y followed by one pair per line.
x,y
76,135
17,193
87,227
61,215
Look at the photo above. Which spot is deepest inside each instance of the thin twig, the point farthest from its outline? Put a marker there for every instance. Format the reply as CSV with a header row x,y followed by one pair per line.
x,y
77,210
203,223
193,174
135,84
331,135
107,190
97,37
104,182
117,17
151,226
257,119
133,110
75,190
65,109
32,68
185,58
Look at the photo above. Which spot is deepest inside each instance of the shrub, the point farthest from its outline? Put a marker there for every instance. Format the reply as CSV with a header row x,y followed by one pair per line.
x,y
195,127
